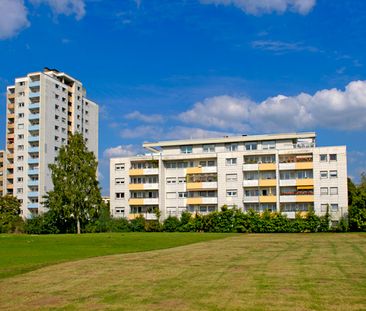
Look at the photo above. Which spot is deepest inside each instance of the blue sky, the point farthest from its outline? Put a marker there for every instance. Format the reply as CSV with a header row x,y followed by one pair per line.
x,y
168,69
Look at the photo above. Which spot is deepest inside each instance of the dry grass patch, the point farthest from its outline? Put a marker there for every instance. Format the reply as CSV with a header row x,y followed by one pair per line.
x,y
246,272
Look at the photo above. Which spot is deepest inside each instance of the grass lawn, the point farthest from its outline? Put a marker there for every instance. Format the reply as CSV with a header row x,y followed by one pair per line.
x,y
241,272
23,253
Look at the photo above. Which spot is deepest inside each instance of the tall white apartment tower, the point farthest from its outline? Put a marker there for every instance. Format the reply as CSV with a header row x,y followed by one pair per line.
x,y
43,109
286,173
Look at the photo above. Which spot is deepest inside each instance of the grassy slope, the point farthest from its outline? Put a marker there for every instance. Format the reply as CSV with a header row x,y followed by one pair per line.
x,y
23,253
244,272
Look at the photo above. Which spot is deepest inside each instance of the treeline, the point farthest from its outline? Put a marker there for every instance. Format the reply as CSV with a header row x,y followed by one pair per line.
x,y
227,220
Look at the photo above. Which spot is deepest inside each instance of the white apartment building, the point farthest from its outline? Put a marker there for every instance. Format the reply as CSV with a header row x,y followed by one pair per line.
x,y
43,108
282,172
2,154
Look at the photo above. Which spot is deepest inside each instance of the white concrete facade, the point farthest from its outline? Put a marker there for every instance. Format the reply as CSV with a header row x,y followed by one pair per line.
x,y
279,172
43,109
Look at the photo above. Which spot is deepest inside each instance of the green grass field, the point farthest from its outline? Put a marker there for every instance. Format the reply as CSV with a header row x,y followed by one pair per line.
x,y
23,253
240,272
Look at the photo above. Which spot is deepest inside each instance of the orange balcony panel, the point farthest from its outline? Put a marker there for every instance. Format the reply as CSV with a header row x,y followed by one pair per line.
x,y
10,146
11,125
11,115
267,166
9,186
11,96
11,106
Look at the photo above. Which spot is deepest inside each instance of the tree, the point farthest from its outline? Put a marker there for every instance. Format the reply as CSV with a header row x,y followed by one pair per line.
x,y
357,205
10,219
76,194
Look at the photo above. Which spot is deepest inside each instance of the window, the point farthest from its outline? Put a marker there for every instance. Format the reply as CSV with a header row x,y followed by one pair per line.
x,y
120,195
333,190
56,86
251,175
334,207
57,96
20,136
232,147
171,195
20,147
332,157
268,145
20,115
232,193
120,210
323,158
20,158
20,168
323,174
323,191
20,126
20,179
119,166
231,161
56,117
181,180
19,190
56,138
252,146
171,180
323,208
333,174
119,181
186,149
20,105
231,177
208,148
182,194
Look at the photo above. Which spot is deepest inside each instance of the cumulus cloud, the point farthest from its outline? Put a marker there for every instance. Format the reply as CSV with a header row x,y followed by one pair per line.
x,y
65,7
281,47
13,18
151,118
257,7
330,108
121,151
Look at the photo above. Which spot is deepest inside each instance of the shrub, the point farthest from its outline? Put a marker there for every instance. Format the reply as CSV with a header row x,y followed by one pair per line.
x,y
171,224
138,224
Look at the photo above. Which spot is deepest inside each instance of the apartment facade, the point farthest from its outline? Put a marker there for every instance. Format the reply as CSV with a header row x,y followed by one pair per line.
x,y
43,109
283,172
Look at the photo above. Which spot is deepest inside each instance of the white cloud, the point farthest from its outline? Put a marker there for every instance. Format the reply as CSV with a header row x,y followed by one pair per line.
x,y
152,118
121,151
257,7
330,108
281,47
13,18
65,7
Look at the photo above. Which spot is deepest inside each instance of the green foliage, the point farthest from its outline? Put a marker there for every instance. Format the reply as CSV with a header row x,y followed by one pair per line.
x,y
357,206
42,224
171,224
10,221
138,224
76,194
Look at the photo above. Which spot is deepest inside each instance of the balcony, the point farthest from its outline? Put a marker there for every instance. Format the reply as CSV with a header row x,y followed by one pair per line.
x,y
267,199
250,199
305,182
33,139
267,166
32,205
11,106
267,182
33,149
32,128
36,83
33,182
11,125
34,116
33,95
147,201
34,105
200,170
11,95
146,171
251,183
33,171
143,186
33,160
147,216
11,115
33,194
250,167
201,200
201,185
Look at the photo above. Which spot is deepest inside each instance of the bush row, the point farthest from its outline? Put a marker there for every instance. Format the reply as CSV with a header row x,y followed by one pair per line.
x,y
227,220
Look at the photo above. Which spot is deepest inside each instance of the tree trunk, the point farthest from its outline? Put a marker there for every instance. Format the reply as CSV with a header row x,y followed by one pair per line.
x,y
78,225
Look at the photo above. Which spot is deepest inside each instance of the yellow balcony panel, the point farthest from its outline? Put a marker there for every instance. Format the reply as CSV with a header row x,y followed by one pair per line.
x,y
304,165
11,135
11,106
136,186
194,170
11,115
10,146
305,182
10,176
11,96
136,172
267,199
10,166
194,201
304,198
267,166
11,125
10,156
9,186
267,182
194,185
136,201
133,216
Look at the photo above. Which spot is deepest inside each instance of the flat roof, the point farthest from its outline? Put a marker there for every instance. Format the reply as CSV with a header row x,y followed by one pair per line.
x,y
228,139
